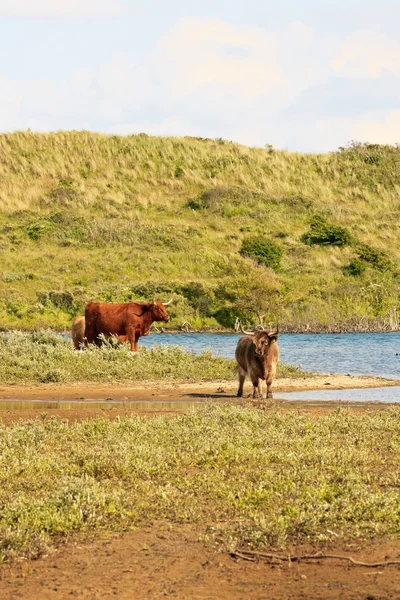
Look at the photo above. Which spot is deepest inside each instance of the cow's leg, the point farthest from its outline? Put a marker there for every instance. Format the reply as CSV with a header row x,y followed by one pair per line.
x,y
90,334
133,338
269,388
242,377
130,334
256,388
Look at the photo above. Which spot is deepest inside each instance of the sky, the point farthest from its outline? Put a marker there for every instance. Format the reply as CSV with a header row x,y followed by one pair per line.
x,y
307,75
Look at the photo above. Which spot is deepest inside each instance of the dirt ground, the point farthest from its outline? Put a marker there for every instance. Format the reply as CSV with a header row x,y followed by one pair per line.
x,y
163,390
166,398
169,560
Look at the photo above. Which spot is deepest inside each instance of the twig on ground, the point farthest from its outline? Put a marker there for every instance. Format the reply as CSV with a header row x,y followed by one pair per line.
x,y
252,556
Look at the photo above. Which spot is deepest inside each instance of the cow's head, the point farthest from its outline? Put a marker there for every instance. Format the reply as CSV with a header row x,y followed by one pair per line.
x,y
263,340
158,311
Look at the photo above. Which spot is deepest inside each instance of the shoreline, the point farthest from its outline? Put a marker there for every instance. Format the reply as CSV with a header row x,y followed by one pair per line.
x,y
282,331
179,391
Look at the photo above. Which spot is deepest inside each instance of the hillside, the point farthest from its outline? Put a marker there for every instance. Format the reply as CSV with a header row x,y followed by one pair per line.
x,y
89,216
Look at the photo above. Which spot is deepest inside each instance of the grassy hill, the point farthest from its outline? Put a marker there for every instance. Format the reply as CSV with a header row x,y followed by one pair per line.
x,y
310,240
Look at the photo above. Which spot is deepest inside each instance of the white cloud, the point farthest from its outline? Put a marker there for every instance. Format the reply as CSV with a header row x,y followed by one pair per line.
x,y
242,61
61,9
198,53
212,79
375,127
367,54
381,128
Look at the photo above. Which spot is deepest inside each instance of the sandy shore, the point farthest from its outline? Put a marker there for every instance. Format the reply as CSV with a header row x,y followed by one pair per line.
x,y
173,391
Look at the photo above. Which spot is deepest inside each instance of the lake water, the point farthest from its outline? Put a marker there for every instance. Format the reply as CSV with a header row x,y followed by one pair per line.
x,y
385,394
353,353
376,354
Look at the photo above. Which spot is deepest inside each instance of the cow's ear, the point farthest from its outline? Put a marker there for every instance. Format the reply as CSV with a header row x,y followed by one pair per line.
x,y
274,336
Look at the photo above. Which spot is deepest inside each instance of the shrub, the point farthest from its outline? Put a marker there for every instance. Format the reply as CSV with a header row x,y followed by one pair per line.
x,y
355,268
179,172
376,258
325,234
264,251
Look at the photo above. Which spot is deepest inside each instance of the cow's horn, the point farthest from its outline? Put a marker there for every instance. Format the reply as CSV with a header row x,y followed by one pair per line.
x,y
274,332
168,303
246,332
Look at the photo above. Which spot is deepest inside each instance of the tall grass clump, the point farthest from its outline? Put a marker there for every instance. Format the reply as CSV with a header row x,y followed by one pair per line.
x,y
244,476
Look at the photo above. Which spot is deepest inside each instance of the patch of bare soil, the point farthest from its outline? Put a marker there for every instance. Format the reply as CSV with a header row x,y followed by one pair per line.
x,y
165,397
169,391
170,561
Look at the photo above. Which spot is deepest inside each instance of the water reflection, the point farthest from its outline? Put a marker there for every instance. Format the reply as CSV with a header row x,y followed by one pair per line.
x,y
147,406
385,394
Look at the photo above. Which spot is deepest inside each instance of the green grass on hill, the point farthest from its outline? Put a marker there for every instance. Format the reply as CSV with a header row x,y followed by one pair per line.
x,y
88,216
247,477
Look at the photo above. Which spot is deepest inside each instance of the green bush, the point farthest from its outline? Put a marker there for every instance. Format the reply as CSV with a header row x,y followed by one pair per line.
x,y
325,234
376,258
264,251
355,268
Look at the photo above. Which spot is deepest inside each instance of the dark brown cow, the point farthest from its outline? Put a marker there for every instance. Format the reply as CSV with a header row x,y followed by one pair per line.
x,y
132,320
257,355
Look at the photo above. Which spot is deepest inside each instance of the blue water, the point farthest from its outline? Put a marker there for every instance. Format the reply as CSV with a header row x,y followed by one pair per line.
x,y
347,353
385,394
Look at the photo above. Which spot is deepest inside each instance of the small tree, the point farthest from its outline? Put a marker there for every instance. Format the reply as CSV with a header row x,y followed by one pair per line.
x,y
247,290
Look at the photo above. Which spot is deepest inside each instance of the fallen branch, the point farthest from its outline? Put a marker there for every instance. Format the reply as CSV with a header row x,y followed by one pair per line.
x,y
186,326
253,556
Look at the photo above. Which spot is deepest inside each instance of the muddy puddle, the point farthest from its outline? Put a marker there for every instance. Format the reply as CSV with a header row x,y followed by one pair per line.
x,y
145,406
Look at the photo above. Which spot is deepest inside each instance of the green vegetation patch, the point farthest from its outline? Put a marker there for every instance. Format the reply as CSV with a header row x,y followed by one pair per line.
x,y
355,268
44,357
264,251
325,234
376,258
271,478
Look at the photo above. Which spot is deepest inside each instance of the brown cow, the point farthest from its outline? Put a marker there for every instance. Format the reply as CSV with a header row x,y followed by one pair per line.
x,y
131,320
78,333
257,355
